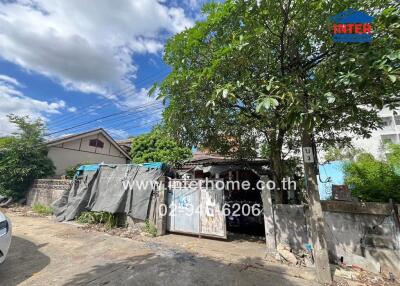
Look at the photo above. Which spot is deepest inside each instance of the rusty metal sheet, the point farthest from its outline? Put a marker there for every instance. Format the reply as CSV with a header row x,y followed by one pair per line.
x,y
212,218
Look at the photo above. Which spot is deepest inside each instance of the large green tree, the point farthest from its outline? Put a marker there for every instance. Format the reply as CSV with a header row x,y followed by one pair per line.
x,y
5,141
268,71
158,146
24,158
373,180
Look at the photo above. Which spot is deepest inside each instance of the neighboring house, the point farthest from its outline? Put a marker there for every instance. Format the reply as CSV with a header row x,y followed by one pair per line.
x,y
376,144
95,146
390,133
205,164
125,144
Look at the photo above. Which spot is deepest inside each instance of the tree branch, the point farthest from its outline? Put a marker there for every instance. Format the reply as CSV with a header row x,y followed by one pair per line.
x,y
316,60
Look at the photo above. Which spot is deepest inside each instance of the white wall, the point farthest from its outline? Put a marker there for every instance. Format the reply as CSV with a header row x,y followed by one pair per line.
x,y
68,154
374,144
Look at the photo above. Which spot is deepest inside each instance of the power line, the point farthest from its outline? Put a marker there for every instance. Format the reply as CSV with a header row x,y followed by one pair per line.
x,y
118,118
94,120
138,126
120,121
123,92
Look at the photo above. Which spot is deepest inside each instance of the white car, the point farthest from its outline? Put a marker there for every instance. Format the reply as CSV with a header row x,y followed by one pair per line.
x,y
5,236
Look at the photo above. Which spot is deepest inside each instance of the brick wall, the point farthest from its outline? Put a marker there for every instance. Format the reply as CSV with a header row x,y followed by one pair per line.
x,y
46,191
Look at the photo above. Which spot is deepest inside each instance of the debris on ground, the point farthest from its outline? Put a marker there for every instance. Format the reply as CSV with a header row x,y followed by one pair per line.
x,y
345,275
360,262
5,202
24,210
126,232
364,277
246,266
299,257
286,253
132,231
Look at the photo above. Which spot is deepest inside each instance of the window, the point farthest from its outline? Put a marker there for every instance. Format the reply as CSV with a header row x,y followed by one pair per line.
x,y
387,122
96,143
397,119
387,141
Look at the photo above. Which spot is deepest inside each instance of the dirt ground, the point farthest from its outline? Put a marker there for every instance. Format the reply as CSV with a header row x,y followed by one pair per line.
x,y
44,252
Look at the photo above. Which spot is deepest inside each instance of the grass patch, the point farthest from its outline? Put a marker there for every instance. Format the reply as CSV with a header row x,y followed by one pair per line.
x,y
108,219
150,228
42,209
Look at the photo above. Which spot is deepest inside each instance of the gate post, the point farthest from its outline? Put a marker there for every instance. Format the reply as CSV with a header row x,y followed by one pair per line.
x,y
161,217
269,219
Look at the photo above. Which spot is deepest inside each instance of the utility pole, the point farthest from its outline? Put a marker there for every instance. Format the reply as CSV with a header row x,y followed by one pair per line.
x,y
320,248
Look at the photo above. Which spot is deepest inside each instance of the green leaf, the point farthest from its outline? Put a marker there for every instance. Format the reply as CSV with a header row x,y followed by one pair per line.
x,y
225,93
267,104
393,78
152,90
330,97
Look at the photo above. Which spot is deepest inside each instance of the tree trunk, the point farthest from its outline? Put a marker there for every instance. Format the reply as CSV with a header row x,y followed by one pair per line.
x,y
316,218
277,166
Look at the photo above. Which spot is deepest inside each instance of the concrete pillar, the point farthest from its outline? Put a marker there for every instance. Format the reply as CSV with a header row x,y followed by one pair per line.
x,y
269,224
161,217
316,218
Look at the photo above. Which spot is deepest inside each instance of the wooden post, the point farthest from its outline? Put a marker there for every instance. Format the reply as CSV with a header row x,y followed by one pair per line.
x,y
161,221
269,220
316,218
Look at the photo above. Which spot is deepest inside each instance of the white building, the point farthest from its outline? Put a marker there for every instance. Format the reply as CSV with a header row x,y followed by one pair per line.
x,y
95,146
390,133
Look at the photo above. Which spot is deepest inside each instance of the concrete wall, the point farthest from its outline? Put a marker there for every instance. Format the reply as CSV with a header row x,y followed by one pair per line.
x,y
355,232
291,225
46,191
373,237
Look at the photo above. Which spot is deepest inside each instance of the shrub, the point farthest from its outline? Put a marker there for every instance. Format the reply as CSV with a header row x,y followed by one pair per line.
x,y
150,228
24,158
394,156
42,209
71,170
108,219
372,180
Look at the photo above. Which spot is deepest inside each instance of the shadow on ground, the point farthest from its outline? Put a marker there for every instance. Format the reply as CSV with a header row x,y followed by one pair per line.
x,y
175,268
242,237
27,256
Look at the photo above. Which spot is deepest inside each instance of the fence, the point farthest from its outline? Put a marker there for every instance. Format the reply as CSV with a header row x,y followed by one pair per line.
x,y
46,191
356,232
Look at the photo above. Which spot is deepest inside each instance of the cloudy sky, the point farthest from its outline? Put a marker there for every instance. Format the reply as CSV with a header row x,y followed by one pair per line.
x,y
72,62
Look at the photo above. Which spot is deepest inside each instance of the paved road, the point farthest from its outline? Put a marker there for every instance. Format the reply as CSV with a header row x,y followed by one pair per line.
x,y
44,252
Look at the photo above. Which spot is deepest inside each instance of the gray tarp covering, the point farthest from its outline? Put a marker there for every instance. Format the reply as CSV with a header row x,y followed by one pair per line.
x,y
105,190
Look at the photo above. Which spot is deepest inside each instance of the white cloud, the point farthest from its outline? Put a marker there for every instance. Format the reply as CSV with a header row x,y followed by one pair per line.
x,y
10,80
117,134
152,107
72,109
15,102
85,45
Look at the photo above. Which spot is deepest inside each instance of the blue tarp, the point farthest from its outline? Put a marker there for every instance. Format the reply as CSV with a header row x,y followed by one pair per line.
x,y
95,167
154,165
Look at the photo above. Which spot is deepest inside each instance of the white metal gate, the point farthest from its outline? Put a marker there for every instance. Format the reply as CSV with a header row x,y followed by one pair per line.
x,y
196,210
